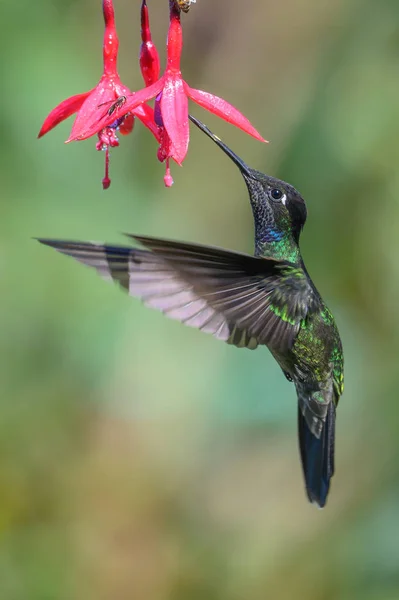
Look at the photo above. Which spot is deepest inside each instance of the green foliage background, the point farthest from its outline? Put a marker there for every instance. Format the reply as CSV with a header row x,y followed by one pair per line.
x,y
143,460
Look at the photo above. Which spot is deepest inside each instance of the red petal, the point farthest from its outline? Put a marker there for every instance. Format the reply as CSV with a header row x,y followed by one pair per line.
x,y
63,111
224,110
99,118
174,109
149,63
127,125
146,115
103,93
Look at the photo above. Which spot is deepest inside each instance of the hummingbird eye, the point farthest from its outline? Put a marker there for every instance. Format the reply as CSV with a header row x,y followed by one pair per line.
x,y
277,194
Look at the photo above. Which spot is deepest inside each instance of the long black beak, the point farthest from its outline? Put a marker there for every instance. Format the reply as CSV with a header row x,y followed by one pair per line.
x,y
245,170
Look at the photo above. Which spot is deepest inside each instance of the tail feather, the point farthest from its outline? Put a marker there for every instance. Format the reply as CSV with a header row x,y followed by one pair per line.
x,y
317,455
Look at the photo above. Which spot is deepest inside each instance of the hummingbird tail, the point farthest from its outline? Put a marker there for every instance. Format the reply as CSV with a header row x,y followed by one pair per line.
x,y
317,455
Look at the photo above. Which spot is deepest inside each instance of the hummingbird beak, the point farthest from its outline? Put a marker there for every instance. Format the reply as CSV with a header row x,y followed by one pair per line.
x,y
245,170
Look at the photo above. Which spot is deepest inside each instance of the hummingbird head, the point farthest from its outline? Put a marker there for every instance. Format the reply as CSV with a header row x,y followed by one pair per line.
x,y
278,208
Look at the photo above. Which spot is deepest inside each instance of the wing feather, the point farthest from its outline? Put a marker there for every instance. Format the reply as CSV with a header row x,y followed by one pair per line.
x,y
238,298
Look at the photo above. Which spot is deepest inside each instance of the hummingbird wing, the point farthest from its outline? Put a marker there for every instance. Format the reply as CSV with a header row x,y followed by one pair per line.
x,y
234,296
263,300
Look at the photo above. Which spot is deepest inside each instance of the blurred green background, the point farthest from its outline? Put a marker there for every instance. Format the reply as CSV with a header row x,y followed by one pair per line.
x,y
142,460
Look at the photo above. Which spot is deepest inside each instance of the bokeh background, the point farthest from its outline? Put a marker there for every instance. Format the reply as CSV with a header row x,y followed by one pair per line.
x,y
142,460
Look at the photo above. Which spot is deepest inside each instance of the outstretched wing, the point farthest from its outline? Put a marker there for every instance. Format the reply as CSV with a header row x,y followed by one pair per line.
x,y
238,298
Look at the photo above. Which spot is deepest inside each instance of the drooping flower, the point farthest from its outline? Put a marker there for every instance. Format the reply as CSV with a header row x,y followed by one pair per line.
x,y
108,92
172,93
150,70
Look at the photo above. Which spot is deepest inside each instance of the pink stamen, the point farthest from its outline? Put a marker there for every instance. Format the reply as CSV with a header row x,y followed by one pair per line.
x,y
106,181
168,179
106,139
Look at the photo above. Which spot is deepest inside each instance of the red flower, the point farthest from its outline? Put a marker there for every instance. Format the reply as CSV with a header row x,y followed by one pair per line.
x,y
172,93
150,69
107,91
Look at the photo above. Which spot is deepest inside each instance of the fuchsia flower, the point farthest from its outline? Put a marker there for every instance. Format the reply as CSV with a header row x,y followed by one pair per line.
x,y
150,69
171,106
109,91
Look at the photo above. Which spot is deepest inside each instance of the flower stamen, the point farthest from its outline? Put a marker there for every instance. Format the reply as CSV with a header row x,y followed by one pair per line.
x,y
106,180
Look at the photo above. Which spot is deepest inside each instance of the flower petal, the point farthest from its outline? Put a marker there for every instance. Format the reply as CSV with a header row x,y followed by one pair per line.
x,y
61,112
103,93
127,124
146,115
174,108
224,110
100,118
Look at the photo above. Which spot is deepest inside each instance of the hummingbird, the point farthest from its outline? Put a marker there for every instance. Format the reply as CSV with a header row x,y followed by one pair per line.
x,y
267,300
